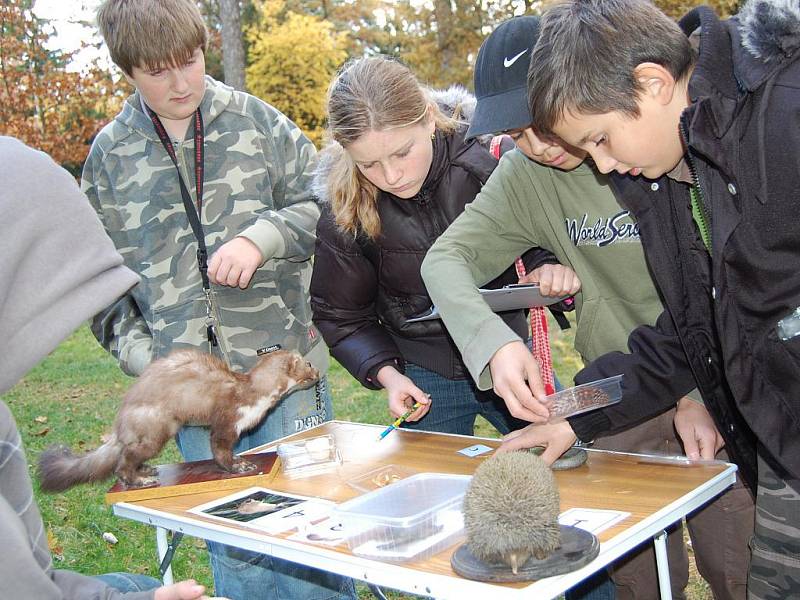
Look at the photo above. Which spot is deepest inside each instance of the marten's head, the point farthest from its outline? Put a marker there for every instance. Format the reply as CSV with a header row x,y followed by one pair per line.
x,y
282,370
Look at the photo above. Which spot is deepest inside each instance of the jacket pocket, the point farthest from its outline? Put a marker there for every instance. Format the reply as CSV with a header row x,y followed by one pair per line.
x,y
780,363
179,325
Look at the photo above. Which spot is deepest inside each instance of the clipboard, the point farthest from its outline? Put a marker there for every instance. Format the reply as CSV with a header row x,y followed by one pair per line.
x,y
510,297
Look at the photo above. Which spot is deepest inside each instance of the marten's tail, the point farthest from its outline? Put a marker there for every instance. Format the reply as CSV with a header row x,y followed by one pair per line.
x,y
60,469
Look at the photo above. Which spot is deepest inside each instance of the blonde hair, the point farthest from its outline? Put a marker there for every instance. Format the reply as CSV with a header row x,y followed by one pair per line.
x,y
151,33
369,94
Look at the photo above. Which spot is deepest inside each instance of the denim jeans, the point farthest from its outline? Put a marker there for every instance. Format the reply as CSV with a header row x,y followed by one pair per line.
x,y
129,582
243,575
455,403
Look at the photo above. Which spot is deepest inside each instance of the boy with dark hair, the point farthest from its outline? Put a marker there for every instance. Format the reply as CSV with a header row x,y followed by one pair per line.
x,y
715,133
205,191
545,195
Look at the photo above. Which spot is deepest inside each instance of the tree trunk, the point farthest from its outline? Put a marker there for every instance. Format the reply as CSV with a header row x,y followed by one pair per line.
x,y
232,46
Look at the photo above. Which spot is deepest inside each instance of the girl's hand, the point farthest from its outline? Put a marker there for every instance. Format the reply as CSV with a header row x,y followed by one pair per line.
x,y
403,394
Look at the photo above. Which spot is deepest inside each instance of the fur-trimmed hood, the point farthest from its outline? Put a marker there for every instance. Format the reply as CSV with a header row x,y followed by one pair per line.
x,y
770,28
453,101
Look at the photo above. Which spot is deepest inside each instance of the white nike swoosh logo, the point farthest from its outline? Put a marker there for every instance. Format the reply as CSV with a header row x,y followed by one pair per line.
x,y
507,62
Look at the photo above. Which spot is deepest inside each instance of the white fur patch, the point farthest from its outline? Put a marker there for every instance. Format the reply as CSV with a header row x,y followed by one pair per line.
x,y
249,416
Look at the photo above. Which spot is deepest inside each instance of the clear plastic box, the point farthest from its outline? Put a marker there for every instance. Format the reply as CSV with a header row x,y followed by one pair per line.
x,y
585,397
309,456
380,477
413,518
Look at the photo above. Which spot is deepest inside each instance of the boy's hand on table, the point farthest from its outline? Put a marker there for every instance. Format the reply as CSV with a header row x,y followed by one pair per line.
x,y
403,393
555,438
517,380
554,280
234,263
697,431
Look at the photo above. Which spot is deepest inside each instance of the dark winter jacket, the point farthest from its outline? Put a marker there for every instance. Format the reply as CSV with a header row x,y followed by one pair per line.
x,y
363,291
742,130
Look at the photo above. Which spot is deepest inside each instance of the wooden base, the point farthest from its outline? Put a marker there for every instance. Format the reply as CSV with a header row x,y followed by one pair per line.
x,y
578,548
195,477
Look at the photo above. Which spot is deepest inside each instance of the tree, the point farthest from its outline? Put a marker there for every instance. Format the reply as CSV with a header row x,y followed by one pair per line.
x,y
232,45
292,62
41,102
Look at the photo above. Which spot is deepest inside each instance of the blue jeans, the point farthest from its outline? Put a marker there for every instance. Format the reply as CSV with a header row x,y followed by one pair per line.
x,y
243,575
597,587
455,403
129,582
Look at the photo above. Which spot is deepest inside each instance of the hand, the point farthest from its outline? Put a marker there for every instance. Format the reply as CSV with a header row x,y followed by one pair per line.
x,y
403,394
697,431
188,589
234,263
518,382
554,280
555,438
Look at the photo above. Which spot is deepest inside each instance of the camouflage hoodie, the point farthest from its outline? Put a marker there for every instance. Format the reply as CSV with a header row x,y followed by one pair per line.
x,y
256,185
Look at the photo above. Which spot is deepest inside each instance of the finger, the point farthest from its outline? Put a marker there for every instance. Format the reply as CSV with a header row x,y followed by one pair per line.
x,y
213,265
222,272
519,442
552,453
245,277
691,447
705,449
515,399
232,280
575,287
545,282
535,393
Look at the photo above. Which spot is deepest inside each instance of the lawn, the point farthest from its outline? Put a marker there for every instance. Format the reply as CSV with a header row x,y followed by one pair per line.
x,y
71,398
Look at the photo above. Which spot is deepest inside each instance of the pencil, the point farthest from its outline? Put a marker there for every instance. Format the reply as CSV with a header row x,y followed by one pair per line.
x,y
399,420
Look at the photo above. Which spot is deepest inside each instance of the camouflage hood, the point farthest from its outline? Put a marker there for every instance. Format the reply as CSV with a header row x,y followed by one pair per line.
x,y
454,101
257,185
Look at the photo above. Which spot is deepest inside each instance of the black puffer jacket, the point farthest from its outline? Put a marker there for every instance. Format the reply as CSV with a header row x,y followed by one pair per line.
x,y
363,291
742,131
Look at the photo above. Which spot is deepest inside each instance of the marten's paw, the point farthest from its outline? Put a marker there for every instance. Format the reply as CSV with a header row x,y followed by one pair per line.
x,y
146,470
140,481
241,465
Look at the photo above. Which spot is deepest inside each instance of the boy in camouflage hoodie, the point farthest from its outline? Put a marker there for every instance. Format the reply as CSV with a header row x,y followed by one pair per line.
x,y
205,192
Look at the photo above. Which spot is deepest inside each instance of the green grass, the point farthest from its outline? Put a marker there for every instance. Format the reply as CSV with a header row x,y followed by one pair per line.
x,y
71,398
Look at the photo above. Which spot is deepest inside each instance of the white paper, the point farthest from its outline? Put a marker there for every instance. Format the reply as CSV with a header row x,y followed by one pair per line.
x,y
593,520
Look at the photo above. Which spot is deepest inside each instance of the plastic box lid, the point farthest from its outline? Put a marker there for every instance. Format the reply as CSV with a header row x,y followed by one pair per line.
x,y
408,501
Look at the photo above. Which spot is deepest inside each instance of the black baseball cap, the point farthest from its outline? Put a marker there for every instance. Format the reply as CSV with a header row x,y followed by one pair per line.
x,y
501,73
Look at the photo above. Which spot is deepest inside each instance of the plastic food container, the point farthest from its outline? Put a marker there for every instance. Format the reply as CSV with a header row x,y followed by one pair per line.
x,y
413,518
380,478
585,397
309,456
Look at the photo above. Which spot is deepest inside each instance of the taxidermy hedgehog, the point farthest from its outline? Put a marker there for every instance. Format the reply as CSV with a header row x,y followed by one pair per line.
x,y
511,510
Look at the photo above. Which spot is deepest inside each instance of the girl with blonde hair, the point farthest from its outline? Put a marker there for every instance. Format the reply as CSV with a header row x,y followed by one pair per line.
x,y
395,173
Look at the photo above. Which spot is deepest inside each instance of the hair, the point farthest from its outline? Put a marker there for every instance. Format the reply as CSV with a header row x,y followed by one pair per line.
x,y
587,52
369,94
151,33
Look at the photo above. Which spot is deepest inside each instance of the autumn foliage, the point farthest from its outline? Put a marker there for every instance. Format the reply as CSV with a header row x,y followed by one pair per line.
x,y
293,50
41,102
292,60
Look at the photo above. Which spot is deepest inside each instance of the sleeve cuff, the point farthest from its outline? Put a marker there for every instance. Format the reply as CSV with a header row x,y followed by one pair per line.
x,y
267,238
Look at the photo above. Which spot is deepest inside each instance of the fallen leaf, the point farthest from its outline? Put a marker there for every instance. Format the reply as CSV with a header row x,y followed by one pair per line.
x,y
42,432
40,419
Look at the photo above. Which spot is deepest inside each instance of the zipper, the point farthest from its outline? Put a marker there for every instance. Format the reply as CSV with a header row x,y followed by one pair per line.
x,y
700,213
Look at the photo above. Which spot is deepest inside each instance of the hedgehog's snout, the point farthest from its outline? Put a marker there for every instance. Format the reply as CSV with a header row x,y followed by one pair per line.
x,y
516,559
